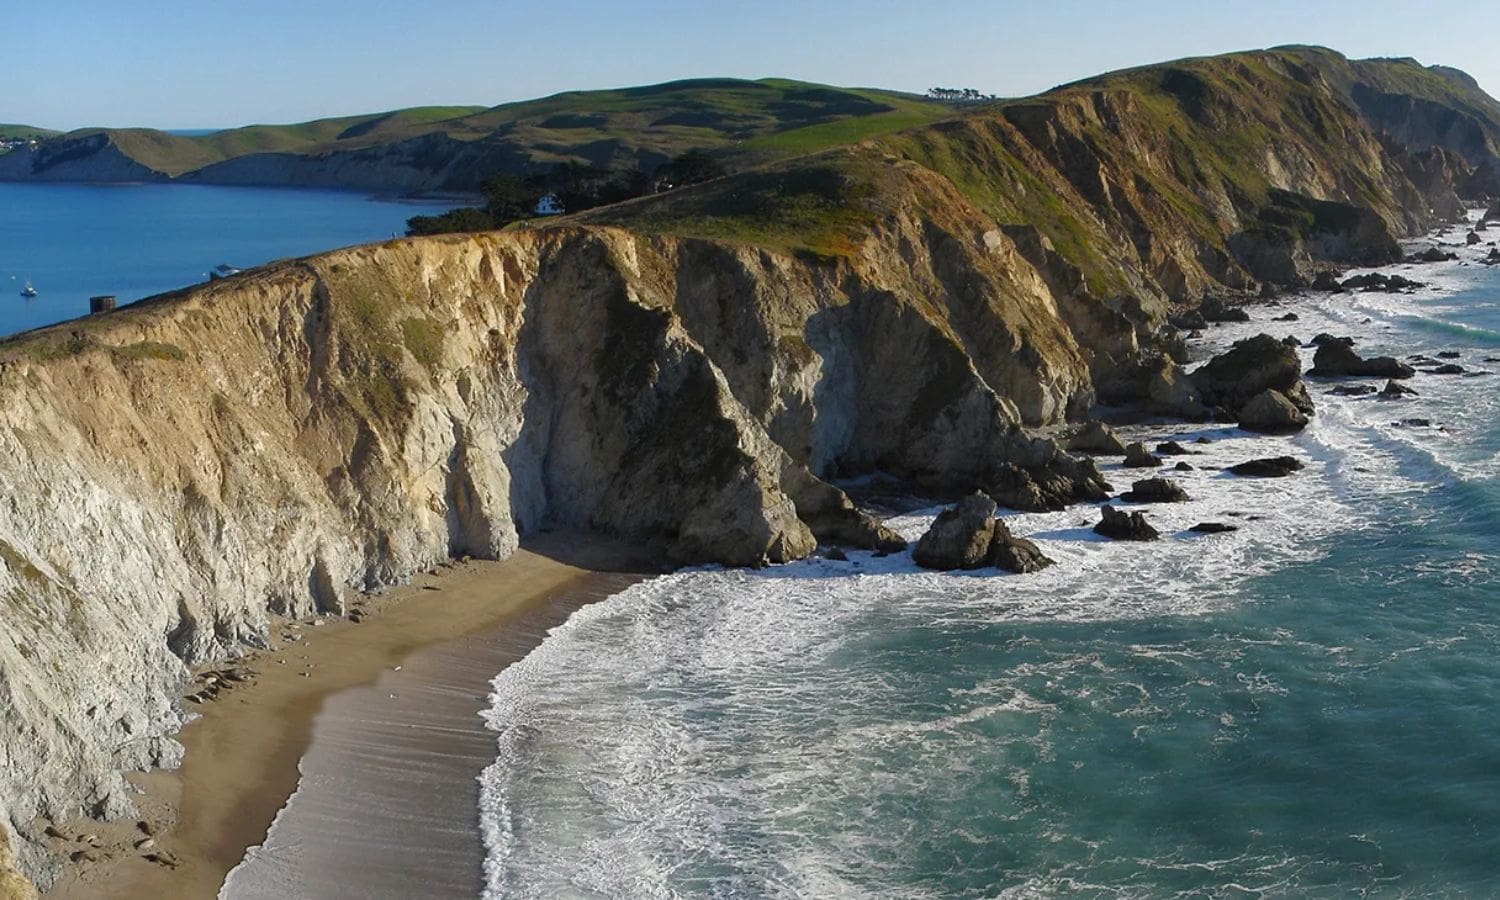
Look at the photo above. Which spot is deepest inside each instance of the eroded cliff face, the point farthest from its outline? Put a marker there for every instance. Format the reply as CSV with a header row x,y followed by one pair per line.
x,y
179,471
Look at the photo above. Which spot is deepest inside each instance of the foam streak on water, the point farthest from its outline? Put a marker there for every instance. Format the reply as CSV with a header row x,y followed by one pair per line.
x,y
1304,706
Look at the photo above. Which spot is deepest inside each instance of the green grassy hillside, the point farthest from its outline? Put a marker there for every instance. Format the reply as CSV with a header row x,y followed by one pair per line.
x,y
1139,180
24,132
749,121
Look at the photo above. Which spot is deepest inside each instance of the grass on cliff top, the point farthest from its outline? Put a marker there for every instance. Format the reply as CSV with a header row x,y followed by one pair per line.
x,y
818,208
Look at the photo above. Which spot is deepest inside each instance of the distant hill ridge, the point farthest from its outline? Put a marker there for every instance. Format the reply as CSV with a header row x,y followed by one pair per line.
x,y
454,148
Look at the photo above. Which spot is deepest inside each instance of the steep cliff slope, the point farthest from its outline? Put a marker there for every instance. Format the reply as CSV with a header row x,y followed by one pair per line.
x,y
179,470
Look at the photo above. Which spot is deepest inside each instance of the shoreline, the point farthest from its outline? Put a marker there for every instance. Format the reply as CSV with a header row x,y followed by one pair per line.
x,y
304,706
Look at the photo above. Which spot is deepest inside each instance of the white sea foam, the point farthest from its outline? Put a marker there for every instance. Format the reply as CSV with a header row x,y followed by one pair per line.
x,y
747,733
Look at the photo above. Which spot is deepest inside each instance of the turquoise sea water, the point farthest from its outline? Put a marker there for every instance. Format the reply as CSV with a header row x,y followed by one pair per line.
x,y
1307,707
73,241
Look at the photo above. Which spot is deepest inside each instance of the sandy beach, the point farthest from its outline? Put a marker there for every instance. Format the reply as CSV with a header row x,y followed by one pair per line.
x,y
382,718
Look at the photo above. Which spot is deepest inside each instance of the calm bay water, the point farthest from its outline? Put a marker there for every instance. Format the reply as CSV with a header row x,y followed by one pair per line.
x,y
1305,707
74,241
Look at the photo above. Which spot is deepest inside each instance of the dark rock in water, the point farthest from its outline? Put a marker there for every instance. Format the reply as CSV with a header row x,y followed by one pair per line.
x,y
1449,369
1327,281
1172,448
1274,467
1213,528
1251,367
1046,489
1450,354
1472,239
1188,321
1420,359
1097,438
1121,526
1353,390
1014,554
1204,440
1379,282
968,536
1183,467
1268,291
1335,360
1272,413
1413,423
837,555
1291,341
1214,309
960,537
1138,457
1394,391
1289,317
1156,490
1326,338
1432,255
1492,359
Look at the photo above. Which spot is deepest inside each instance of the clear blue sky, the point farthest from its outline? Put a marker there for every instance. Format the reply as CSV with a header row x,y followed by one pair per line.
x,y
214,63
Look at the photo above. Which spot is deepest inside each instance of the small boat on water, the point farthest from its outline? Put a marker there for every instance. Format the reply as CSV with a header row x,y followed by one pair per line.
x,y
28,290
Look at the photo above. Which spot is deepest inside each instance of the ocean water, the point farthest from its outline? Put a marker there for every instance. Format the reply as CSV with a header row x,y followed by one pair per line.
x,y
73,241
1305,707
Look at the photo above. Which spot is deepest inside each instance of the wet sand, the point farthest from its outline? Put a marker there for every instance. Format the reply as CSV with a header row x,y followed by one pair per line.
x,y
387,757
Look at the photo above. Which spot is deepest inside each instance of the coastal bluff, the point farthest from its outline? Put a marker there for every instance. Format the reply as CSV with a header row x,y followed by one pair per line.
x,y
691,372
178,471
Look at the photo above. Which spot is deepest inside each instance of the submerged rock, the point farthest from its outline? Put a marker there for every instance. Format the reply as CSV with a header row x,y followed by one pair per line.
x,y
1213,528
1121,526
1354,390
1271,467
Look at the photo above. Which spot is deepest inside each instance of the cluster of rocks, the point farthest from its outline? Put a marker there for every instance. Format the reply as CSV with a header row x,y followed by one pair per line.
x,y
969,536
1258,383
1336,358
1432,255
1372,283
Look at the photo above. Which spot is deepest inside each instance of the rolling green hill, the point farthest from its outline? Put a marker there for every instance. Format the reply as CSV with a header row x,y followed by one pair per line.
x,y
24,132
746,122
